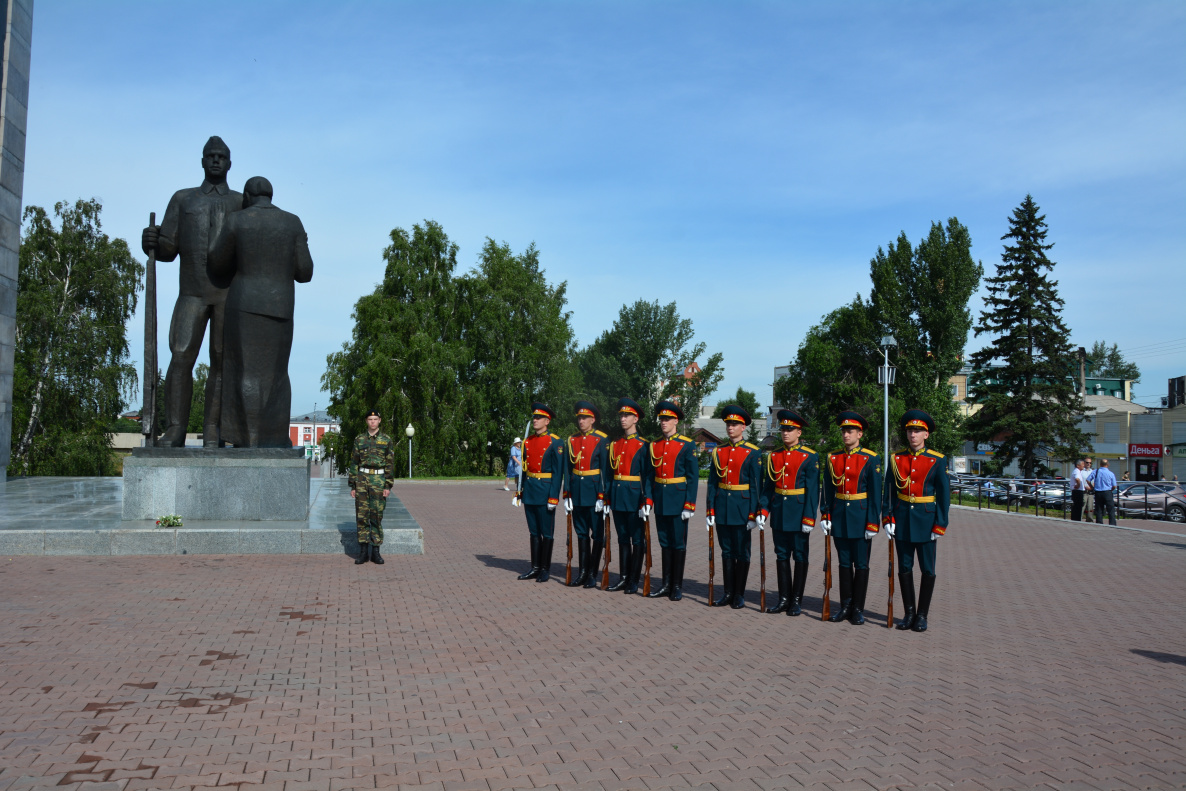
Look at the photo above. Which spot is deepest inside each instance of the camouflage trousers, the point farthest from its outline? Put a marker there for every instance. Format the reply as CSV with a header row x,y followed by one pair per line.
x,y
369,503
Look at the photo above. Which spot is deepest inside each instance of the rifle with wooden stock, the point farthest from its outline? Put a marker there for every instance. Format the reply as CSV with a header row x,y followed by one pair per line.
x,y
608,554
646,580
826,613
762,557
712,563
568,563
889,608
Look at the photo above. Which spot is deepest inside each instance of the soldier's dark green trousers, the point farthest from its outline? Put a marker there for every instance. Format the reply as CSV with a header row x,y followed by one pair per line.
x,y
369,503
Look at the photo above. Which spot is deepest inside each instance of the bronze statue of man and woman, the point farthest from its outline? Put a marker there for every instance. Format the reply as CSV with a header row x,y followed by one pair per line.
x,y
240,257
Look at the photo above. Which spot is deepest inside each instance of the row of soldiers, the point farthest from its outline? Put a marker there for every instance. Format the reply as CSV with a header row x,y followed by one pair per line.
x,y
747,489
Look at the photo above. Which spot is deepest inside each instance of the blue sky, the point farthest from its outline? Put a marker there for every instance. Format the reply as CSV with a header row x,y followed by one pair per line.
x,y
743,159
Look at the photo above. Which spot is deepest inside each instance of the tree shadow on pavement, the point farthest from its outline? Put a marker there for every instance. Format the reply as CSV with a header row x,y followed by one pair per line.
x,y
1159,656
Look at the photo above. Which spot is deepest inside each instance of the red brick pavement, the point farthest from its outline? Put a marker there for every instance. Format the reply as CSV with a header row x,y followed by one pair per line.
x,y
1056,659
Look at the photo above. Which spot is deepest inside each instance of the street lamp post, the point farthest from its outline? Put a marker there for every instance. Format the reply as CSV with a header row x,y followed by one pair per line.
x,y
410,432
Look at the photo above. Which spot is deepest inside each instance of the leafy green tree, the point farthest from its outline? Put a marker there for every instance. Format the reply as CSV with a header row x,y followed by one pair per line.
x,y
644,356
1029,403
1108,362
920,296
459,358
748,401
77,290
197,404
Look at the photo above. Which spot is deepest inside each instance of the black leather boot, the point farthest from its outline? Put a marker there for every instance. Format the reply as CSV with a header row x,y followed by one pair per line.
x,y
533,572
906,583
860,587
798,582
582,562
727,567
594,565
375,556
545,559
783,567
845,575
623,568
740,575
678,556
637,556
364,553
665,588
924,603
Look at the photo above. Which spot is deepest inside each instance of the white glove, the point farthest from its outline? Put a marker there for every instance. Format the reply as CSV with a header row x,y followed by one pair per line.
x,y
889,530
685,514
806,528
515,501
644,512
869,535
551,506
600,506
761,520
751,524
568,505
935,537
710,522
826,526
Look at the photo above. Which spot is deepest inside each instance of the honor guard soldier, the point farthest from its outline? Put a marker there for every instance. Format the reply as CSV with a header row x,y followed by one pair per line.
x,y
676,474
790,492
584,488
629,495
372,474
733,503
918,514
543,473
850,511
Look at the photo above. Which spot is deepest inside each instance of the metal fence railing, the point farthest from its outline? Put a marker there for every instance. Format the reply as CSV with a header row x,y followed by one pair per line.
x,y
1052,497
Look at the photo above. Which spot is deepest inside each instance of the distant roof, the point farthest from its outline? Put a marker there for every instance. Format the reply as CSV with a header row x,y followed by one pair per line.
x,y
1107,403
318,416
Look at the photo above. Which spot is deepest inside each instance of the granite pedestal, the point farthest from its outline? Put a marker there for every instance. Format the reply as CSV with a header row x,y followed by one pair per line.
x,y
204,484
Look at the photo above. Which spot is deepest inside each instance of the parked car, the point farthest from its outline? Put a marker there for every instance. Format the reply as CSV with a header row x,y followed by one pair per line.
x,y
1159,500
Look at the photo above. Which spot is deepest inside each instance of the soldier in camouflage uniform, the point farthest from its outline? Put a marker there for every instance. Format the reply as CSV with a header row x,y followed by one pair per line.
x,y
372,473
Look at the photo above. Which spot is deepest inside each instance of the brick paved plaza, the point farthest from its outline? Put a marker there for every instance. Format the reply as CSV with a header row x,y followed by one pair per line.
x,y
1056,659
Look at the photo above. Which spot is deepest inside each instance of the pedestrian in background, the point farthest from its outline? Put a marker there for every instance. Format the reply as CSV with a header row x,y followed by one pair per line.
x,y
1089,490
1126,478
1105,494
1078,490
514,465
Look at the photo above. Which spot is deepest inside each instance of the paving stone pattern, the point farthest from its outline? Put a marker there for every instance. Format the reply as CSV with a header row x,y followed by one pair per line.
x,y
1056,659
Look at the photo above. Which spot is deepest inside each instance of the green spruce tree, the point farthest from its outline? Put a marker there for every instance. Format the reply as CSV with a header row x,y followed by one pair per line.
x,y
1022,379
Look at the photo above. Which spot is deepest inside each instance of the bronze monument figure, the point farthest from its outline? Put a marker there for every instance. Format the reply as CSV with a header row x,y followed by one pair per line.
x,y
186,231
259,252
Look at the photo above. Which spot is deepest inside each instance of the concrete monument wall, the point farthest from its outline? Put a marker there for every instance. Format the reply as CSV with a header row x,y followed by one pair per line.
x,y
14,104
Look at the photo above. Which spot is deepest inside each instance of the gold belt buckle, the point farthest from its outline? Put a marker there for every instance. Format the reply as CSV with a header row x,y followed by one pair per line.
x,y
912,499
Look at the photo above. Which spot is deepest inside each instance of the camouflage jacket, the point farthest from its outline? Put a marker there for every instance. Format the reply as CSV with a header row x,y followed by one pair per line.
x,y
375,453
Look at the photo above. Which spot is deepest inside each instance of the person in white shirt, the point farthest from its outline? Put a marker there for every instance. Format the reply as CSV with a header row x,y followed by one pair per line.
x,y
1078,489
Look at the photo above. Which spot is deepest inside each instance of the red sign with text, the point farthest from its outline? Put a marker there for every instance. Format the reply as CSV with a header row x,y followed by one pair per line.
x,y
1141,451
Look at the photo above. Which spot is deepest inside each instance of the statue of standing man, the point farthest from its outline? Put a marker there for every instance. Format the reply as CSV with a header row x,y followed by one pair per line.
x,y
186,231
260,253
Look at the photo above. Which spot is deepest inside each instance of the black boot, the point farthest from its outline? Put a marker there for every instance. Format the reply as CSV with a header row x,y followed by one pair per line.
x,y
798,582
860,588
623,568
740,575
727,567
924,603
845,575
533,572
783,567
906,583
375,556
582,562
364,553
545,559
594,565
637,556
665,588
678,556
